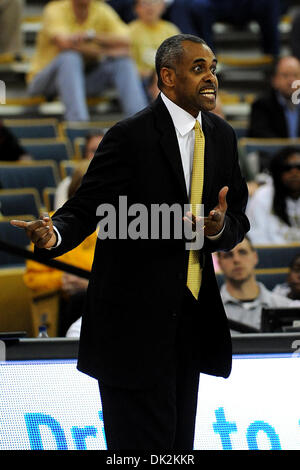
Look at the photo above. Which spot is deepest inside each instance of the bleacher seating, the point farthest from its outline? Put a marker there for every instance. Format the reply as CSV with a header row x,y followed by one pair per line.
x,y
276,256
20,201
48,198
33,128
79,145
37,175
48,149
265,146
12,235
73,130
67,168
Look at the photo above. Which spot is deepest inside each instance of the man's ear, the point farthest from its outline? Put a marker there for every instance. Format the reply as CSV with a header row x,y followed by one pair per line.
x,y
168,76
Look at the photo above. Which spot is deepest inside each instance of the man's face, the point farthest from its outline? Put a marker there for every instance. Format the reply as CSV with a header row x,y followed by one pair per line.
x,y
195,82
294,279
291,172
288,71
238,264
149,11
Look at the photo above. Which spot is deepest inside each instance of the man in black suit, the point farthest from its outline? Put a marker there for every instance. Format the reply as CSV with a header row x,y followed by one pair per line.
x,y
145,336
276,114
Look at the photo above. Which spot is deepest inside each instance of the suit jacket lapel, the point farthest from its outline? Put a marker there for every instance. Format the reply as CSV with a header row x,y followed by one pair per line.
x,y
169,143
209,160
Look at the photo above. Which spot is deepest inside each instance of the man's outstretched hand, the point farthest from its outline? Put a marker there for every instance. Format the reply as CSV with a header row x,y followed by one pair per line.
x,y
213,223
215,220
40,231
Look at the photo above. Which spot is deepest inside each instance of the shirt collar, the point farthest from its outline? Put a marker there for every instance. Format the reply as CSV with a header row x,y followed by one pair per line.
x,y
284,103
183,121
261,300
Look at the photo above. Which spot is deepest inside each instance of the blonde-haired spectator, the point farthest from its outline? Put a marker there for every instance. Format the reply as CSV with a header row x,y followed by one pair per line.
x,y
147,32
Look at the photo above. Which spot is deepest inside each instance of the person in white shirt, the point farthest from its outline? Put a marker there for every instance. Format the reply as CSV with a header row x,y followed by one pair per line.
x,y
274,209
243,297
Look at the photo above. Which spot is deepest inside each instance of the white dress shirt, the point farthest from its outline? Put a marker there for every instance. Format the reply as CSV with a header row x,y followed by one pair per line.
x,y
184,124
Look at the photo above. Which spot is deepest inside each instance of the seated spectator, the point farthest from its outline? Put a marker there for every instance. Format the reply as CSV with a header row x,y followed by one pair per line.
x,y
243,297
147,32
92,141
10,148
291,288
11,41
274,208
39,277
276,114
82,49
198,17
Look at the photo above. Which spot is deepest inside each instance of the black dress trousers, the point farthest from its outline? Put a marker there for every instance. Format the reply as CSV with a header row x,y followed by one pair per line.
x,y
162,417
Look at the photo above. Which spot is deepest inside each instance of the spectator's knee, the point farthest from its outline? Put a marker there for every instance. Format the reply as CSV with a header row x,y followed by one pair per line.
x,y
70,58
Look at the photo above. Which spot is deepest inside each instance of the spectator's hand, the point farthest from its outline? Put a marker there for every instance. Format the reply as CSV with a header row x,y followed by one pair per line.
x,y
212,224
40,231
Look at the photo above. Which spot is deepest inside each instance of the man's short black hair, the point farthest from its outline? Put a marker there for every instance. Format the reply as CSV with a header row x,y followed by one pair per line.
x,y
170,52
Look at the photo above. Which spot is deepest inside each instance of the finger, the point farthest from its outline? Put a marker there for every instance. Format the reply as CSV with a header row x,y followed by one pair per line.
x,y
42,242
222,198
47,219
40,233
45,216
35,225
215,216
19,223
189,221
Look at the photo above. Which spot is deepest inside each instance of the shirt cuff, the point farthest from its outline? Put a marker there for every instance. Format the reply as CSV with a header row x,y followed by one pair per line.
x,y
58,242
217,236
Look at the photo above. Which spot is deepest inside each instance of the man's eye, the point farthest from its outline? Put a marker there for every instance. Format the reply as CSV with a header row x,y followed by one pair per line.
x,y
197,68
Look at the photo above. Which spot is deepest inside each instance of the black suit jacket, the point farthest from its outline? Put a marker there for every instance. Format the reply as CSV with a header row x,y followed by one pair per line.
x,y
267,118
136,286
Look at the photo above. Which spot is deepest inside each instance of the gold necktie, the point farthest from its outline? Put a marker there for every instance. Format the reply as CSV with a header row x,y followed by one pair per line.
x,y
194,275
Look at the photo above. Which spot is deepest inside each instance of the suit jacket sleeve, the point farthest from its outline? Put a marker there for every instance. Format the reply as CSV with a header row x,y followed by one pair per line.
x,y
236,221
107,177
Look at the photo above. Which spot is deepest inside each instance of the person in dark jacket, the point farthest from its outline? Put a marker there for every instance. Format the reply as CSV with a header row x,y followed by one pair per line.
x,y
276,114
